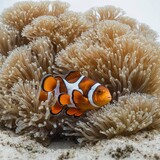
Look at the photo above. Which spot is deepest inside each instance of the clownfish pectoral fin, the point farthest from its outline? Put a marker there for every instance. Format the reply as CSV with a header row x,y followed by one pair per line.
x,y
78,113
71,111
78,97
48,83
43,96
56,109
72,76
64,99
74,112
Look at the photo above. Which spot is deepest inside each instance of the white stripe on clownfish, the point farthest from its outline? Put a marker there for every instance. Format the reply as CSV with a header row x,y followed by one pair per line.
x,y
57,90
73,86
90,94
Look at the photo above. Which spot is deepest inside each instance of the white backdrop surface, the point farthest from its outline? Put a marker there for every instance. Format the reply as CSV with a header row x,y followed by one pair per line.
x,y
146,11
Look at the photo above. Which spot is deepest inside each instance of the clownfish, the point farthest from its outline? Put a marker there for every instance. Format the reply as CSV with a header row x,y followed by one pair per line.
x,y
74,92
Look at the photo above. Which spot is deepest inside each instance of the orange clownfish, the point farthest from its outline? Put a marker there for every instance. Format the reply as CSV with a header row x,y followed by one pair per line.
x,y
74,92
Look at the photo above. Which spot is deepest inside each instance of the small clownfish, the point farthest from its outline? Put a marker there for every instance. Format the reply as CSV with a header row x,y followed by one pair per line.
x,y
75,92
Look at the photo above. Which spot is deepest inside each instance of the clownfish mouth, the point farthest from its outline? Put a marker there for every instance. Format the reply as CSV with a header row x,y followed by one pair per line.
x,y
109,98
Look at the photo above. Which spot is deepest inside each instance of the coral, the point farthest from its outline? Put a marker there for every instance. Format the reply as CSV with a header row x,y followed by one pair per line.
x,y
37,38
132,113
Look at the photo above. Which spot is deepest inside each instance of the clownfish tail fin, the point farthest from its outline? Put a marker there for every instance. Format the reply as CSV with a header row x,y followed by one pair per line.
x,y
48,83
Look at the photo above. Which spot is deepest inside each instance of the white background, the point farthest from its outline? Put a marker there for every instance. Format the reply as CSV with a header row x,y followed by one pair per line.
x,y
147,11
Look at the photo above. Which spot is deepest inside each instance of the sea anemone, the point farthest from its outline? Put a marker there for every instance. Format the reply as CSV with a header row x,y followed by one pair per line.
x,y
45,37
26,114
9,39
28,62
97,14
132,113
22,13
61,30
114,55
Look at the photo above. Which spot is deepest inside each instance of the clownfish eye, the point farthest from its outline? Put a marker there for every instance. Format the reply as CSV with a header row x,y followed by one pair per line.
x,y
99,92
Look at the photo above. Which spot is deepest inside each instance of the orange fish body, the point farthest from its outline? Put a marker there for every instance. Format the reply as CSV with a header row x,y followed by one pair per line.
x,y
75,92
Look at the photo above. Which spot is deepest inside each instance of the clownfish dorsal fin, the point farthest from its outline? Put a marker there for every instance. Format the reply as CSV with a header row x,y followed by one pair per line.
x,y
72,76
64,99
48,83
78,97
